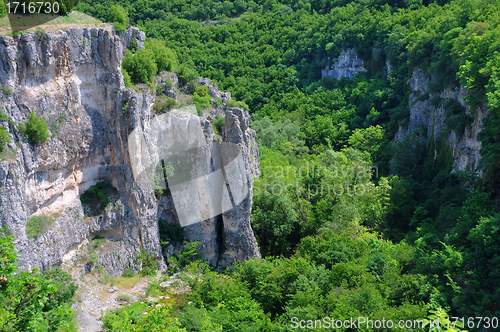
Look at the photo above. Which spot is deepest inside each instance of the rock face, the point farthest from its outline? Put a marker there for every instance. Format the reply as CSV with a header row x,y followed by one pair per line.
x,y
432,116
348,64
73,79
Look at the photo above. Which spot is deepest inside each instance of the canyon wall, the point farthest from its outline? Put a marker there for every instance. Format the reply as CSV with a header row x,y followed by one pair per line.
x,y
73,79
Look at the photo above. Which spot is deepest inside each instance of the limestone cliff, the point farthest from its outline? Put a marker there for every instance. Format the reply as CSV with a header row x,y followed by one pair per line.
x,y
428,111
73,79
348,64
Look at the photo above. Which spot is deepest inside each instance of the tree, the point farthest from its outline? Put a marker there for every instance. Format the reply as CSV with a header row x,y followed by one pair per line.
x,y
164,57
118,16
141,66
29,301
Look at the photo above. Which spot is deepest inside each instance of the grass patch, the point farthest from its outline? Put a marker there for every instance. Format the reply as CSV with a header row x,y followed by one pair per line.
x,y
124,297
73,18
37,225
128,273
164,105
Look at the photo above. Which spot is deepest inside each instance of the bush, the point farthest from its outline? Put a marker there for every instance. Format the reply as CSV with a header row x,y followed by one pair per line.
x,y
66,287
164,57
128,273
97,196
36,129
148,261
218,124
118,16
6,90
166,104
141,66
239,104
37,225
186,74
201,103
170,233
93,259
4,138
126,79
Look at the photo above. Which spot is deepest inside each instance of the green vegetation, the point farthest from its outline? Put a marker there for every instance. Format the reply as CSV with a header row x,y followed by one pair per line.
x,y
164,105
142,65
37,225
118,16
349,222
201,98
33,301
170,234
148,262
4,138
218,124
97,197
124,297
128,273
35,128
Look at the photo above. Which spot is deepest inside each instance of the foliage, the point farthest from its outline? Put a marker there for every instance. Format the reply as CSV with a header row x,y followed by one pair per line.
x,y
148,263
164,57
31,301
141,66
158,319
164,105
201,99
97,197
190,253
36,129
118,16
218,124
128,273
170,234
37,225
4,138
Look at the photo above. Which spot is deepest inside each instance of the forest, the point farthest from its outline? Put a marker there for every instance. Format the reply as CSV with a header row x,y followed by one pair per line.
x,y
349,222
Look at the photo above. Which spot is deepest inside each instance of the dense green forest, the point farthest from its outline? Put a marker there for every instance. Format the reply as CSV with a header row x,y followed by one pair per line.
x,y
349,223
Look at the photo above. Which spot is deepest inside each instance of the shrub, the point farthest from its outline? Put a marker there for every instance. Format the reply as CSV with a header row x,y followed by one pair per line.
x,y
201,103
4,138
118,16
97,196
36,129
6,90
186,74
37,225
201,90
170,233
141,66
128,273
218,124
65,284
164,57
168,103
190,253
148,261
239,104
126,79
93,258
